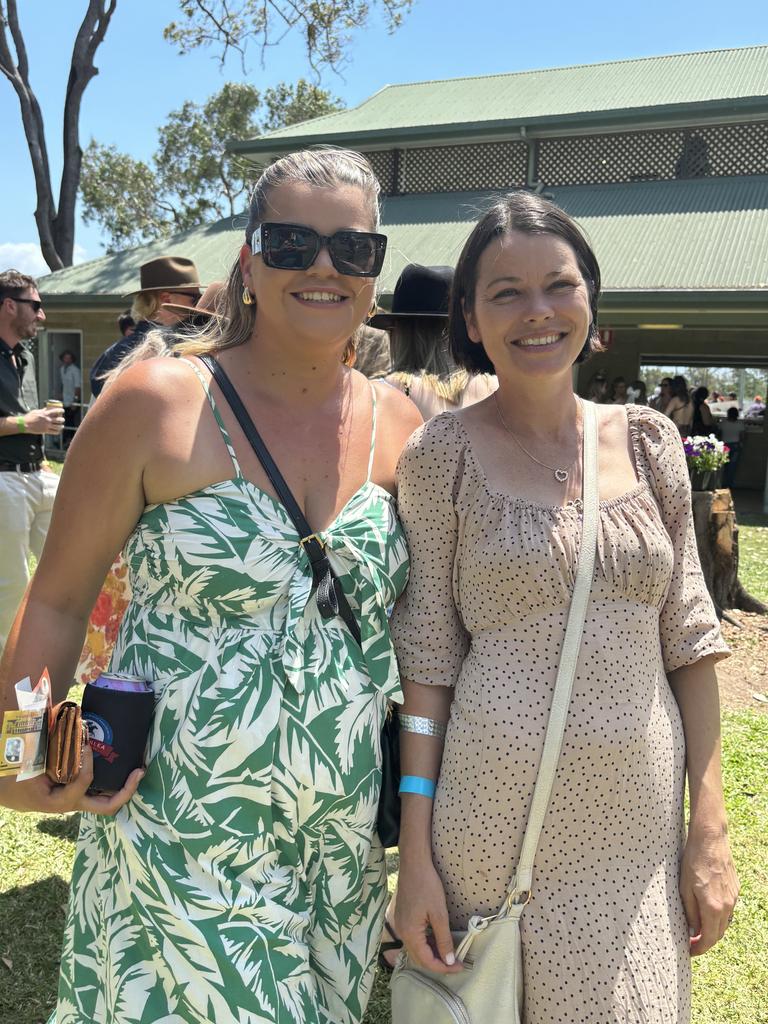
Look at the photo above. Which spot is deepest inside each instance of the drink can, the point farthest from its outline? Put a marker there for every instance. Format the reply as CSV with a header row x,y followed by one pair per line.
x,y
117,681
54,403
118,712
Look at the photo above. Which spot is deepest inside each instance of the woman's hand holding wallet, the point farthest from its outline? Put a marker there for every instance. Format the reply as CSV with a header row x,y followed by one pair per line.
x,y
44,796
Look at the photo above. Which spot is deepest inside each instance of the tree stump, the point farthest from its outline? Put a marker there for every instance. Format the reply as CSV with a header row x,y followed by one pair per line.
x,y
717,538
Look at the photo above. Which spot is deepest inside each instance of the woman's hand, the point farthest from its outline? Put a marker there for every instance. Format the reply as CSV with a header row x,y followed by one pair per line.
x,y
46,797
708,887
421,907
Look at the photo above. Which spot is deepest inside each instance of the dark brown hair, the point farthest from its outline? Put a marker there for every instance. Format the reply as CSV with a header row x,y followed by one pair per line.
x,y
530,214
13,283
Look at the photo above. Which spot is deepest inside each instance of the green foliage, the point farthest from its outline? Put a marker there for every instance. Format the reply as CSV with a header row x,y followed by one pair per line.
x,y
192,178
325,25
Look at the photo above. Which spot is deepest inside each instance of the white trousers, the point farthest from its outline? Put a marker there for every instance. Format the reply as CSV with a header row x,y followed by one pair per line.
x,y
26,501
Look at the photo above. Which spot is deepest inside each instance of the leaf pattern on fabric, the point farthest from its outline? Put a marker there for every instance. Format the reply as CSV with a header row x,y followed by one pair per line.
x,y
244,882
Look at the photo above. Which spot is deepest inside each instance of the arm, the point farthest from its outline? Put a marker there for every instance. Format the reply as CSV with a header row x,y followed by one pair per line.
x,y
99,501
431,645
39,421
691,644
708,883
421,902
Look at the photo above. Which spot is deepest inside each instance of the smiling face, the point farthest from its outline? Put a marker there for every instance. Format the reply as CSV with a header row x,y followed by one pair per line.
x,y
318,304
531,308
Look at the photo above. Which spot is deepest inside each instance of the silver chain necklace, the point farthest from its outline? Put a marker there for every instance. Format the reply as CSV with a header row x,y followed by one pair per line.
x,y
561,475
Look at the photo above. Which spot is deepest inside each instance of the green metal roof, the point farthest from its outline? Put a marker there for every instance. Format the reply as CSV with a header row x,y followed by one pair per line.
x,y
708,234
725,79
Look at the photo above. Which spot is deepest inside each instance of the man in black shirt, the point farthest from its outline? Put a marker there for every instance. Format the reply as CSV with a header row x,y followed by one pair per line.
x,y
27,486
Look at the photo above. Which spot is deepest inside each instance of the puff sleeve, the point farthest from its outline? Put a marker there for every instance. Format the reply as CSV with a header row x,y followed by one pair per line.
x,y
688,624
429,636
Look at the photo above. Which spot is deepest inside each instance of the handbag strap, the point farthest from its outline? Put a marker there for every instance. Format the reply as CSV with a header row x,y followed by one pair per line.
x,y
331,599
520,887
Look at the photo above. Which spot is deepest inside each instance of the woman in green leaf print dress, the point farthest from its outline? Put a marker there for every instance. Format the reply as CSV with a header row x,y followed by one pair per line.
x,y
239,879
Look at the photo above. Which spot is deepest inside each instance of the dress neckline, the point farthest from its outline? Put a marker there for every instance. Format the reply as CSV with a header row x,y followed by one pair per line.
x,y
261,495
574,504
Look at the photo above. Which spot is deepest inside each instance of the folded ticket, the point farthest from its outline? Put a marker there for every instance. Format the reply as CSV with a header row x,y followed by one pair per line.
x,y
24,733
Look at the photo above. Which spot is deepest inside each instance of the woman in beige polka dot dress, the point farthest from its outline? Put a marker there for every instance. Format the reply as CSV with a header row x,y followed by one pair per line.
x,y
489,497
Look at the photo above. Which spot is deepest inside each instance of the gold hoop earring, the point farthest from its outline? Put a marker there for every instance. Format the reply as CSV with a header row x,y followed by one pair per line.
x,y
247,297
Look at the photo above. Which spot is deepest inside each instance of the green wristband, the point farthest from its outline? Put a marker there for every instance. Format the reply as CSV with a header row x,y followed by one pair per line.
x,y
21,423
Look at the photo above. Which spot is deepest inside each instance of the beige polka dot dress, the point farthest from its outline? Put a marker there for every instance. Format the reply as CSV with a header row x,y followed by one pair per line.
x,y
605,938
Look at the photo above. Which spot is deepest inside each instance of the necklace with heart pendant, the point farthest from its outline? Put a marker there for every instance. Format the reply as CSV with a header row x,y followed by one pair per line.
x,y
561,475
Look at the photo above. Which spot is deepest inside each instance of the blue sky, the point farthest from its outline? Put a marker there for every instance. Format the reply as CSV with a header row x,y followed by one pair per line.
x,y
141,78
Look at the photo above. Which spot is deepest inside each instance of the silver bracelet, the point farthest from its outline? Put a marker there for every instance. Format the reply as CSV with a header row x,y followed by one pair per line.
x,y
422,726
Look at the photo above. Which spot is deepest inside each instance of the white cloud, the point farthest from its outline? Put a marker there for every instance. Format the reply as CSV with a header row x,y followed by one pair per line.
x,y
27,257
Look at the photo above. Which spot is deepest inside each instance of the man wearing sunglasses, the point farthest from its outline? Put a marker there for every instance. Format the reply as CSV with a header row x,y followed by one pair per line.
x,y
166,280
27,486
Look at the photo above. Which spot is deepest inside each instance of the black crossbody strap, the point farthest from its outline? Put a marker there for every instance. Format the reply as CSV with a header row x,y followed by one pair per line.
x,y
331,599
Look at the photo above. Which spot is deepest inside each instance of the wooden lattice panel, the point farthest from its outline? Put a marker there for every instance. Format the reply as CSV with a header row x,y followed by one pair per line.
x,y
383,163
451,168
463,168
718,151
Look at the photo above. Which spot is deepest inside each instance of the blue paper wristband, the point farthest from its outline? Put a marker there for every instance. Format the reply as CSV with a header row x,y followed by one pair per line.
x,y
417,784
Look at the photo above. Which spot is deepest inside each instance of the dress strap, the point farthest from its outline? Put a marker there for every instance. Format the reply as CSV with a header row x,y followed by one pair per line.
x,y
373,431
217,415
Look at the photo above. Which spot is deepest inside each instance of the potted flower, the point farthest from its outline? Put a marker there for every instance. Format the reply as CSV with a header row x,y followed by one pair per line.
x,y
705,456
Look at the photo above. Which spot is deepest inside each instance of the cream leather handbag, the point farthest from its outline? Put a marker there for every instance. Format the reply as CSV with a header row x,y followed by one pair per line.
x,y
490,988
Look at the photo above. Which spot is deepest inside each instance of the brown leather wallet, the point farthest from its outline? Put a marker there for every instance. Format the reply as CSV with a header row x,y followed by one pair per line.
x,y
67,737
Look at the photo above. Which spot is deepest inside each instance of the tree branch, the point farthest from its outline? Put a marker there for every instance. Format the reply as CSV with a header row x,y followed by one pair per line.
x,y
17,72
82,69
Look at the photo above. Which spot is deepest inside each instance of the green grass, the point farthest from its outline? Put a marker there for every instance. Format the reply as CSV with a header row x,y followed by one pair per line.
x,y
753,560
730,983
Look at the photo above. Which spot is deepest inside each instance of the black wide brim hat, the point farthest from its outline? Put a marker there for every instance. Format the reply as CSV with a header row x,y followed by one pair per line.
x,y
420,292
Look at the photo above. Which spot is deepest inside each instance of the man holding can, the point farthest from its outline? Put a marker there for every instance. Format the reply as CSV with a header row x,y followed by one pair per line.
x,y
27,485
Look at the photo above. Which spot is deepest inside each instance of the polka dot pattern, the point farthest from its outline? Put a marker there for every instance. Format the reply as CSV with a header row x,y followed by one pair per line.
x,y
605,938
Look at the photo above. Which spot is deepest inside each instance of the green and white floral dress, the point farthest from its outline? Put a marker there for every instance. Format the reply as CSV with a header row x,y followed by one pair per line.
x,y
244,882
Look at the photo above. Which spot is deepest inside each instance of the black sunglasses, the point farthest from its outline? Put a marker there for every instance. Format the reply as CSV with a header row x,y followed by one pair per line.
x,y
36,304
295,247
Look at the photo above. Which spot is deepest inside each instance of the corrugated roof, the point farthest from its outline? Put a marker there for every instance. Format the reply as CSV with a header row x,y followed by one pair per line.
x,y
705,234
525,96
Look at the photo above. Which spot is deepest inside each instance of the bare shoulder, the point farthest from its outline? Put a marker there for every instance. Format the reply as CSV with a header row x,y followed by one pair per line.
x,y
396,412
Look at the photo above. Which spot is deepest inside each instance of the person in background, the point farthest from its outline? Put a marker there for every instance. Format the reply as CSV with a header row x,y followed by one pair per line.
x,y
422,366
732,434
597,389
371,355
126,324
71,393
637,393
27,485
680,407
167,279
619,391
757,408
703,422
662,395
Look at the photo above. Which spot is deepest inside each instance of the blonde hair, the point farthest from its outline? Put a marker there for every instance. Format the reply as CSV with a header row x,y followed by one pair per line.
x,y
325,167
145,305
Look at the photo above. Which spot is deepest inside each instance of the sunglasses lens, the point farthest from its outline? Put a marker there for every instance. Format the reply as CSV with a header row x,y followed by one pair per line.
x,y
355,252
289,248
293,247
